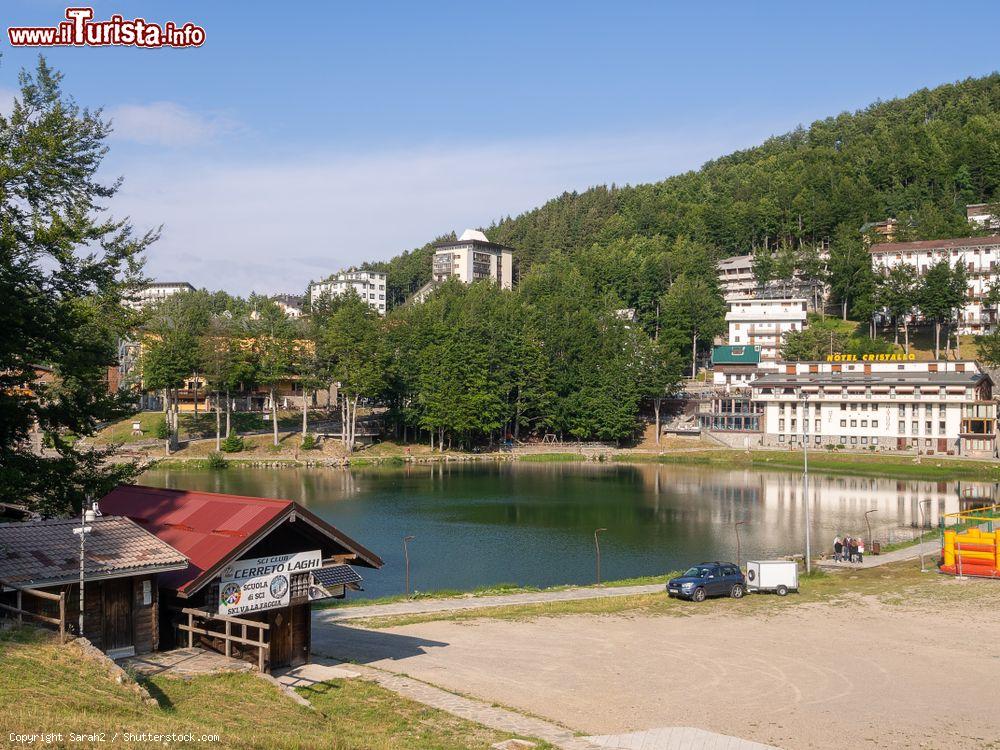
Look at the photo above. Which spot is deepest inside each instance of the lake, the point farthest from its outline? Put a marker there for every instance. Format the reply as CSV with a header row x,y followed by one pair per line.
x,y
477,524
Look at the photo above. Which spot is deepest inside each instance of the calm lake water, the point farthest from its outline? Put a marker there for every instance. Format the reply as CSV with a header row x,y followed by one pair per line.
x,y
477,524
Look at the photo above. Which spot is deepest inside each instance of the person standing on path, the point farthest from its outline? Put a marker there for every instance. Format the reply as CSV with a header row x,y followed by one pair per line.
x,y
838,549
861,550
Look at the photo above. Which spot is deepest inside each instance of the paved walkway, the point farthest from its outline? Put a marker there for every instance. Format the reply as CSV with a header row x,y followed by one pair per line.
x,y
185,662
675,738
929,549
422,606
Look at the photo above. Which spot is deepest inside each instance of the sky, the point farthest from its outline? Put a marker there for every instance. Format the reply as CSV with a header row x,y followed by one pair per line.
x,y
306,137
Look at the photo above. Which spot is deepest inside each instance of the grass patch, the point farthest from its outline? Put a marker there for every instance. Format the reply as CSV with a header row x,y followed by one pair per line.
x,y
891,584
48,687
856,464
544,458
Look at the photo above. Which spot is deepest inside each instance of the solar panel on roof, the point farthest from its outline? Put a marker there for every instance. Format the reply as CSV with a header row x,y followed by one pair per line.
x,y
338,575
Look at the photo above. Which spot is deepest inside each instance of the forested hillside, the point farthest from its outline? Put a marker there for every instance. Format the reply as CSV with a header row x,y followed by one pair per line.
x,y
920,159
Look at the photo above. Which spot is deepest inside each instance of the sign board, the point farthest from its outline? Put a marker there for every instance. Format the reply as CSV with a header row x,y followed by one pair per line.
x,y
262,583
894,357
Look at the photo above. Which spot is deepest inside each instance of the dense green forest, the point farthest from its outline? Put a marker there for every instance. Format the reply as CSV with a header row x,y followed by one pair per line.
x,y
919,159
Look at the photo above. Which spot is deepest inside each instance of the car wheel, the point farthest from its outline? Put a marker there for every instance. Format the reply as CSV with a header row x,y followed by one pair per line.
x,y
698,595
781,590
737,592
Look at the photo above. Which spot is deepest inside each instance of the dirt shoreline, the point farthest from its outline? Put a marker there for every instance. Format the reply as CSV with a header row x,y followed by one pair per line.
x,y
885,672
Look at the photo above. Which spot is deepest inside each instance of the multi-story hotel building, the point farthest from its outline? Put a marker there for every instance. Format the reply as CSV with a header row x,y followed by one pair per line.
x,y
979,255
473,257
943,407
737,281
369,286
153,294
764,323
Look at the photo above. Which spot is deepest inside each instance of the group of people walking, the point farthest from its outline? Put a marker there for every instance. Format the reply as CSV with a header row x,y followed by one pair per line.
x,y
849,549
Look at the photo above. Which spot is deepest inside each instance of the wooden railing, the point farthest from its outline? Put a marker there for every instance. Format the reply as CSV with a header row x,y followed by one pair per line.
x,y
19,610
263,648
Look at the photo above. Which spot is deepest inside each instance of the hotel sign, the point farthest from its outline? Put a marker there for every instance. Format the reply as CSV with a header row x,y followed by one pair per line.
x,y
838,357
261,583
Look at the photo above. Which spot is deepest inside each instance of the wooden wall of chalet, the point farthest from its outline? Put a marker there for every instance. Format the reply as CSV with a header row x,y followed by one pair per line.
x,y
101,599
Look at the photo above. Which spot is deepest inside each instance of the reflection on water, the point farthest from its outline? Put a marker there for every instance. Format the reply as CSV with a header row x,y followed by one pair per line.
x,y
481,524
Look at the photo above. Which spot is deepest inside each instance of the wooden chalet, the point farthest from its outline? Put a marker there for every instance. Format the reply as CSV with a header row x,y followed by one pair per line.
x,y
255,566
40,579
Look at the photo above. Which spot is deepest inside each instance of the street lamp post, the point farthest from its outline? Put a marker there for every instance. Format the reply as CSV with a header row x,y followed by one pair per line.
x,y
406,557
923,524
738,550
805,479
597,546
871,544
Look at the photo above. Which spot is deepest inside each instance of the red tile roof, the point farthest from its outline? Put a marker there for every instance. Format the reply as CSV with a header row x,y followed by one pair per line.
x,y
213,529
891,247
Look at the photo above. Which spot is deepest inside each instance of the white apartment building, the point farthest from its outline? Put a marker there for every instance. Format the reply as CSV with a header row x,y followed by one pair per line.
x,y
979,255
737,281
764,323
289,304
153,294
368,285
885,402
473,257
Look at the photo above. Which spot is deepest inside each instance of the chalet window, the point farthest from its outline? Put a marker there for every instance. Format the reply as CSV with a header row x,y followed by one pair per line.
x,y
299,587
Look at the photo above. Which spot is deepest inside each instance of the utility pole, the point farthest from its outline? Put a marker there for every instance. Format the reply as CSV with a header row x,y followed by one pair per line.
x,y
87,515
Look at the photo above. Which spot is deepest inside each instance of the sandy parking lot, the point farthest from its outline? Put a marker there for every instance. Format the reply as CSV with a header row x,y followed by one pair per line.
x,y
868,674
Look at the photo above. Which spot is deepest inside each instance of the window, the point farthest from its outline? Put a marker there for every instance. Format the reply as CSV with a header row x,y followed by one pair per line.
x,y
864,440
817,440
843,439
781,438
854,440
874,423
843,423
818,428
793,425
781,424
854,423
914,427
941,428
843,406
902,427
874,441
864,422
927,428
927,443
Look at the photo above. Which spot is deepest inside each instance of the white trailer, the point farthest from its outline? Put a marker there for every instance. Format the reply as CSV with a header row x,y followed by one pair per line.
x,y
779,576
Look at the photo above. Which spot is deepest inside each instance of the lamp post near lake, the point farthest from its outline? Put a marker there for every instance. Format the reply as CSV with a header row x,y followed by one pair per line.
x,y
805,477
869,523
597,547
87,515
923,524
406,557
737,527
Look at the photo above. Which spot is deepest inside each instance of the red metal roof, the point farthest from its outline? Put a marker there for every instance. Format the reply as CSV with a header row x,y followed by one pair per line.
x,y
210,528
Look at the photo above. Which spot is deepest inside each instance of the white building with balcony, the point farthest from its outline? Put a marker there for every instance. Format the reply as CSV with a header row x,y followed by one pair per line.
x,y
472,257
764,323
368,285
979,255
155,293
942,408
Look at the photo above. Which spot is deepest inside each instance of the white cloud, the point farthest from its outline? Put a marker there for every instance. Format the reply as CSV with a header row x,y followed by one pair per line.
x,y
165,124
273,226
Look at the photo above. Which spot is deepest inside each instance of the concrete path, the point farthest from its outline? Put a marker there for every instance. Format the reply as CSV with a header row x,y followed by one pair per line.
x,y
930,549
185,662
422,606
675,738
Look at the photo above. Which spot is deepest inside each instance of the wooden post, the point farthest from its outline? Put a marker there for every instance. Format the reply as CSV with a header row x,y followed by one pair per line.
x,y
260,649
62,616
190,630
229,646
20,619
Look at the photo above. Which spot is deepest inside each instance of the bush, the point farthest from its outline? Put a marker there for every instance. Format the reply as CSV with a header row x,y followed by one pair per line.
x,y
162,429
216,461
309,442
233,443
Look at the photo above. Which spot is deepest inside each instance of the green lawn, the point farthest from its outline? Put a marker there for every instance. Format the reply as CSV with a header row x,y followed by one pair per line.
x,y
45,687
